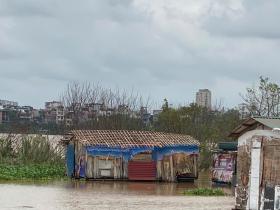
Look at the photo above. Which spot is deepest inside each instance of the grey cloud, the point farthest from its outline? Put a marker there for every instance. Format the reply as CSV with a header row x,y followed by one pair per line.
x,y
24,8
115,43
259,19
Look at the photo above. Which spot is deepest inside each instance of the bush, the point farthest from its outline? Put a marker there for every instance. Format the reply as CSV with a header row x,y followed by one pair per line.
x,y
205,192
30,158
19,172
29,150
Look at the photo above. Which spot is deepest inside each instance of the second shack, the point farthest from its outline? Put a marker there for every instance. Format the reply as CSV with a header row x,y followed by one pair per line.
x,y
132,155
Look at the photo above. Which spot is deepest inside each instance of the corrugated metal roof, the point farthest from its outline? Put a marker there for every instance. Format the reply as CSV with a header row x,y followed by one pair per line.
x,y
128,138
269,122
249,124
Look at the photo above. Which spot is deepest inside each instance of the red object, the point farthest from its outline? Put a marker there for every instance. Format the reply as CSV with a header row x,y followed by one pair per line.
x,y
142,171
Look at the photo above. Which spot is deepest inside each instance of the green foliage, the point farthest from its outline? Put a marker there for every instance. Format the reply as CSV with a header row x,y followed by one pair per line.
x,y
264,100
30,158
6,150
29,150
114,122
17,126
42,171
209,127
205,192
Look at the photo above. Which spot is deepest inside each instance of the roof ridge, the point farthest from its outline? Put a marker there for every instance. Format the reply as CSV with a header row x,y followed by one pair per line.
x,y
263,117
128,138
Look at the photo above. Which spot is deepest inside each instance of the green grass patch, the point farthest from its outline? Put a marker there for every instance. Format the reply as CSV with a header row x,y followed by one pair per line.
x,y
31,172
204,192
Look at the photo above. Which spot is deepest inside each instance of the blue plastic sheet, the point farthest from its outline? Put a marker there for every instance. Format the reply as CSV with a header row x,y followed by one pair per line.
x,y
159,153
128,153
70,160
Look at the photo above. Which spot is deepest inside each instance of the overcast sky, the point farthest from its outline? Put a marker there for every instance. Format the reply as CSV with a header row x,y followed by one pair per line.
x,y
162,48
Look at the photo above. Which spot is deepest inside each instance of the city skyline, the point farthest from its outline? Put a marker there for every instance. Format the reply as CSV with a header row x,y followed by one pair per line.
x,y
154,106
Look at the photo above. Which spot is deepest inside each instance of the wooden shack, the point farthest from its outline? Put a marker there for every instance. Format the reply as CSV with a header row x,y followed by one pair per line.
x,y
258,164
132,155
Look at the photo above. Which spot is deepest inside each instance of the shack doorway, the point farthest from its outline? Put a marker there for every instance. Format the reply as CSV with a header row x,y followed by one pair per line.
x,y
142,167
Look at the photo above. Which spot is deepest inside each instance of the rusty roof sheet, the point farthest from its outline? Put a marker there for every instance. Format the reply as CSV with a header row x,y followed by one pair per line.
x,y
129,138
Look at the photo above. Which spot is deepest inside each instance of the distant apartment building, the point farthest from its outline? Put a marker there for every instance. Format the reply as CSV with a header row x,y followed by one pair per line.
x,y
244,113
25,113
145,116
203,98
54,112
8,116
8,103
4,116
156,114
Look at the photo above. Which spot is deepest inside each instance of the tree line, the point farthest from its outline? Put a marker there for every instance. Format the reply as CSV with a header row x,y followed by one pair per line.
x,y
127,112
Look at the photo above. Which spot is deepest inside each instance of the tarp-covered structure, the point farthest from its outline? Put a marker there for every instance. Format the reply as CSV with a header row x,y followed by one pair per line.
x,y
134,155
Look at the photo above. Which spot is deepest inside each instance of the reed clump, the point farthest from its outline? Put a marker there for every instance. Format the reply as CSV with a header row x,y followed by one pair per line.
x,y
30,158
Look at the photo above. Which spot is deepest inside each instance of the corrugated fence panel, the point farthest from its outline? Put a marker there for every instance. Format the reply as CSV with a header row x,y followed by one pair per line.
x,y
142,171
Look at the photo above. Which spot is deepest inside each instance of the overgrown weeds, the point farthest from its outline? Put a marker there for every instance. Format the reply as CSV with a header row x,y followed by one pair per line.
x,y
21,172
30,158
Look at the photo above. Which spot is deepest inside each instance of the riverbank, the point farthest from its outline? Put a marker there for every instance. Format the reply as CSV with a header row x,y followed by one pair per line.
x,y
31,171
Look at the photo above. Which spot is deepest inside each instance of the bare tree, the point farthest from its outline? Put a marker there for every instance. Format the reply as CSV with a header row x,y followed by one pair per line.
x,y
264,100
75,97
116,104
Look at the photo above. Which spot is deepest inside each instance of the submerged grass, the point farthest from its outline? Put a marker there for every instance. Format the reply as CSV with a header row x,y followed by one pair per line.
x,y
205,192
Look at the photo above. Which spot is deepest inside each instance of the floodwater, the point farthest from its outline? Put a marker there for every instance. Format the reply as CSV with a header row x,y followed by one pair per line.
x,y
109,195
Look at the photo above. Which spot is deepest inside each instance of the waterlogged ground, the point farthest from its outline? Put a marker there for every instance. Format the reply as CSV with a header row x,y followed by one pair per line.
x,y
108,195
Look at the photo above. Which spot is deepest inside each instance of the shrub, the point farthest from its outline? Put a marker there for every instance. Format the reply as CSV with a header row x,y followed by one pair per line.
x,y
18,172
205,192
30,158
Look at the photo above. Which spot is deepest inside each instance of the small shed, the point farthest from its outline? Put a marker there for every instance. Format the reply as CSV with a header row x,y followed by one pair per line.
x,y
132,155
224,163
258,164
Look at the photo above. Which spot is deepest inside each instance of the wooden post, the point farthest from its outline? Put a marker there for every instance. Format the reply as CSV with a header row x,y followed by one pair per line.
x,y
195,165
171,168
86,165
95,167
115,168
159,170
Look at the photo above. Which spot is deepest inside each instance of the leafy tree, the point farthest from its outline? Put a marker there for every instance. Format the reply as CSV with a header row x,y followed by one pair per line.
x,y
209,127
263,100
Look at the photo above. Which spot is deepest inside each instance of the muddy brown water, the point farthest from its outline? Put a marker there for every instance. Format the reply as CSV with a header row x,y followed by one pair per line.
x,y
73,194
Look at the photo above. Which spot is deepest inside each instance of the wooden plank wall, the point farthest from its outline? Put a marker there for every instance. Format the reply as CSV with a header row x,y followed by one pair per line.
x,y
271,162
243,169
175,164
93,167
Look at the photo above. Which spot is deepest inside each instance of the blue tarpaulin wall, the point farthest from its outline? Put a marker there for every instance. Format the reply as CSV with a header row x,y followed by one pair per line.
x,y
159,152
127,154
70,160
